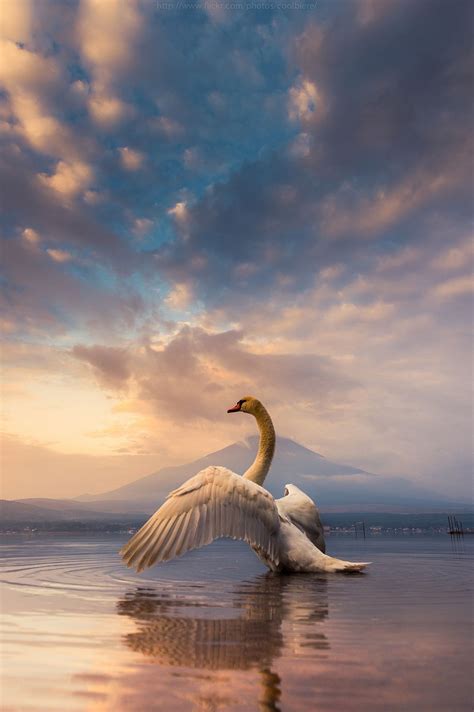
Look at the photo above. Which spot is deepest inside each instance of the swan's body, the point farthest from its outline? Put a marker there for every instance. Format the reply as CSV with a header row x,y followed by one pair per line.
x,y
286,533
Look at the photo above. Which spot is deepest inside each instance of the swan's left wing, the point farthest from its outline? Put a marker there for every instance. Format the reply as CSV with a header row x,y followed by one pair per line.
x,y
303,513
214,503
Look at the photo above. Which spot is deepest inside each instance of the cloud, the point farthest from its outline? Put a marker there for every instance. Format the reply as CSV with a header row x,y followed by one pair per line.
x,y
180,297
40,292
179,211
16,23
59,255
26,71
216,366
108,33
35,85
108,110
367,214
69,179
304,101
456,257
142,225
369,11
108,362
33,204
363,170
171,128
455,287
31,236
352,313
131,160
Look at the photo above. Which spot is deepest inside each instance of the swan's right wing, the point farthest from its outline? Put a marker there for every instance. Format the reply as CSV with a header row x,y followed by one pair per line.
x,y
304,514
214,503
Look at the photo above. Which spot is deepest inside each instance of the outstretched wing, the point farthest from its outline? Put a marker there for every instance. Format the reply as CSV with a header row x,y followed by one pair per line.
x,y
303,513
214,503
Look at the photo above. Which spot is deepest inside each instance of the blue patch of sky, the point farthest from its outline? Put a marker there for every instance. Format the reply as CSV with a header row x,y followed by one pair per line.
x,y
228,136
252,119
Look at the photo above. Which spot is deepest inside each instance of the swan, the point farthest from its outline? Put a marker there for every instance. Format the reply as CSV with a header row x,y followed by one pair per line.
x,y
286,534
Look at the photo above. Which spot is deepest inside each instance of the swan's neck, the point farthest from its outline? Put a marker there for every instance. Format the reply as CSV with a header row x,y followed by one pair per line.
x,y
259,468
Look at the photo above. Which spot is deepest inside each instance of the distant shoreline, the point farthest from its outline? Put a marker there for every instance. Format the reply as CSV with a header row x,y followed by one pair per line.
x,y
351,523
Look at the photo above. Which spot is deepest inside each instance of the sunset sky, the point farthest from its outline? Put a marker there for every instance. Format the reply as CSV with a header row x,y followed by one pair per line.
x,y
205,203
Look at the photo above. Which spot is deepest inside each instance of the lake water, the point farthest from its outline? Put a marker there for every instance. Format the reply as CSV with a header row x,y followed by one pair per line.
x,y
213,631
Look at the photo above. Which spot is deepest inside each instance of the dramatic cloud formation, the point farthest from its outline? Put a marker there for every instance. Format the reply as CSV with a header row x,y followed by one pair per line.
x,y
193,374
202,204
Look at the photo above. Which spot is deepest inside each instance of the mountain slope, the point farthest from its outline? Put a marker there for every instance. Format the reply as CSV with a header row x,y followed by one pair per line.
x,y
290,459
329,483
57,511
99,507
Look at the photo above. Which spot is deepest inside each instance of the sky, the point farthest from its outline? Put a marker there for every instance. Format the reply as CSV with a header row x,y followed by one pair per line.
x,y
205,202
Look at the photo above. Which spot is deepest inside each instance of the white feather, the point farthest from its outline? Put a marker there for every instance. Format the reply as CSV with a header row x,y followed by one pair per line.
x,y
169,531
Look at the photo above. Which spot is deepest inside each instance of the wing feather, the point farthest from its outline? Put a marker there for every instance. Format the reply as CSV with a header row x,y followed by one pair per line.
x,y
215,518
181,535
169,539
141,545
304,514
214,503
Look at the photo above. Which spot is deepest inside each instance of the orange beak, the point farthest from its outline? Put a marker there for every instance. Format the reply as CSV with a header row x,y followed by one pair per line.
x,y
235,409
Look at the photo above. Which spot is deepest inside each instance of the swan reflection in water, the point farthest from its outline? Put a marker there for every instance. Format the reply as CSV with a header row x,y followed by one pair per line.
x,y
273,612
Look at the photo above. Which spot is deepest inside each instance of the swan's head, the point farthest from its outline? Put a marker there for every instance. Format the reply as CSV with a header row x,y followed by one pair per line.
x,y
247,404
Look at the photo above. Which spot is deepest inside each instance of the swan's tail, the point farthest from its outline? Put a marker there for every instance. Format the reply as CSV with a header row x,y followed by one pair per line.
x,y
345,566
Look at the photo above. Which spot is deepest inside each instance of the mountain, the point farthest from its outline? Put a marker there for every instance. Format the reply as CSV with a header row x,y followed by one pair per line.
x,y
58,510
290,457
332,485
335,487
98,507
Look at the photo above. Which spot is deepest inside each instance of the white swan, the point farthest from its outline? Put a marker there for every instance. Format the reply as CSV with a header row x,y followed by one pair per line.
x,y
285,533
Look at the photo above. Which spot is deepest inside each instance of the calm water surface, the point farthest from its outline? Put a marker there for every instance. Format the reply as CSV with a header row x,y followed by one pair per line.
x,y
213,631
